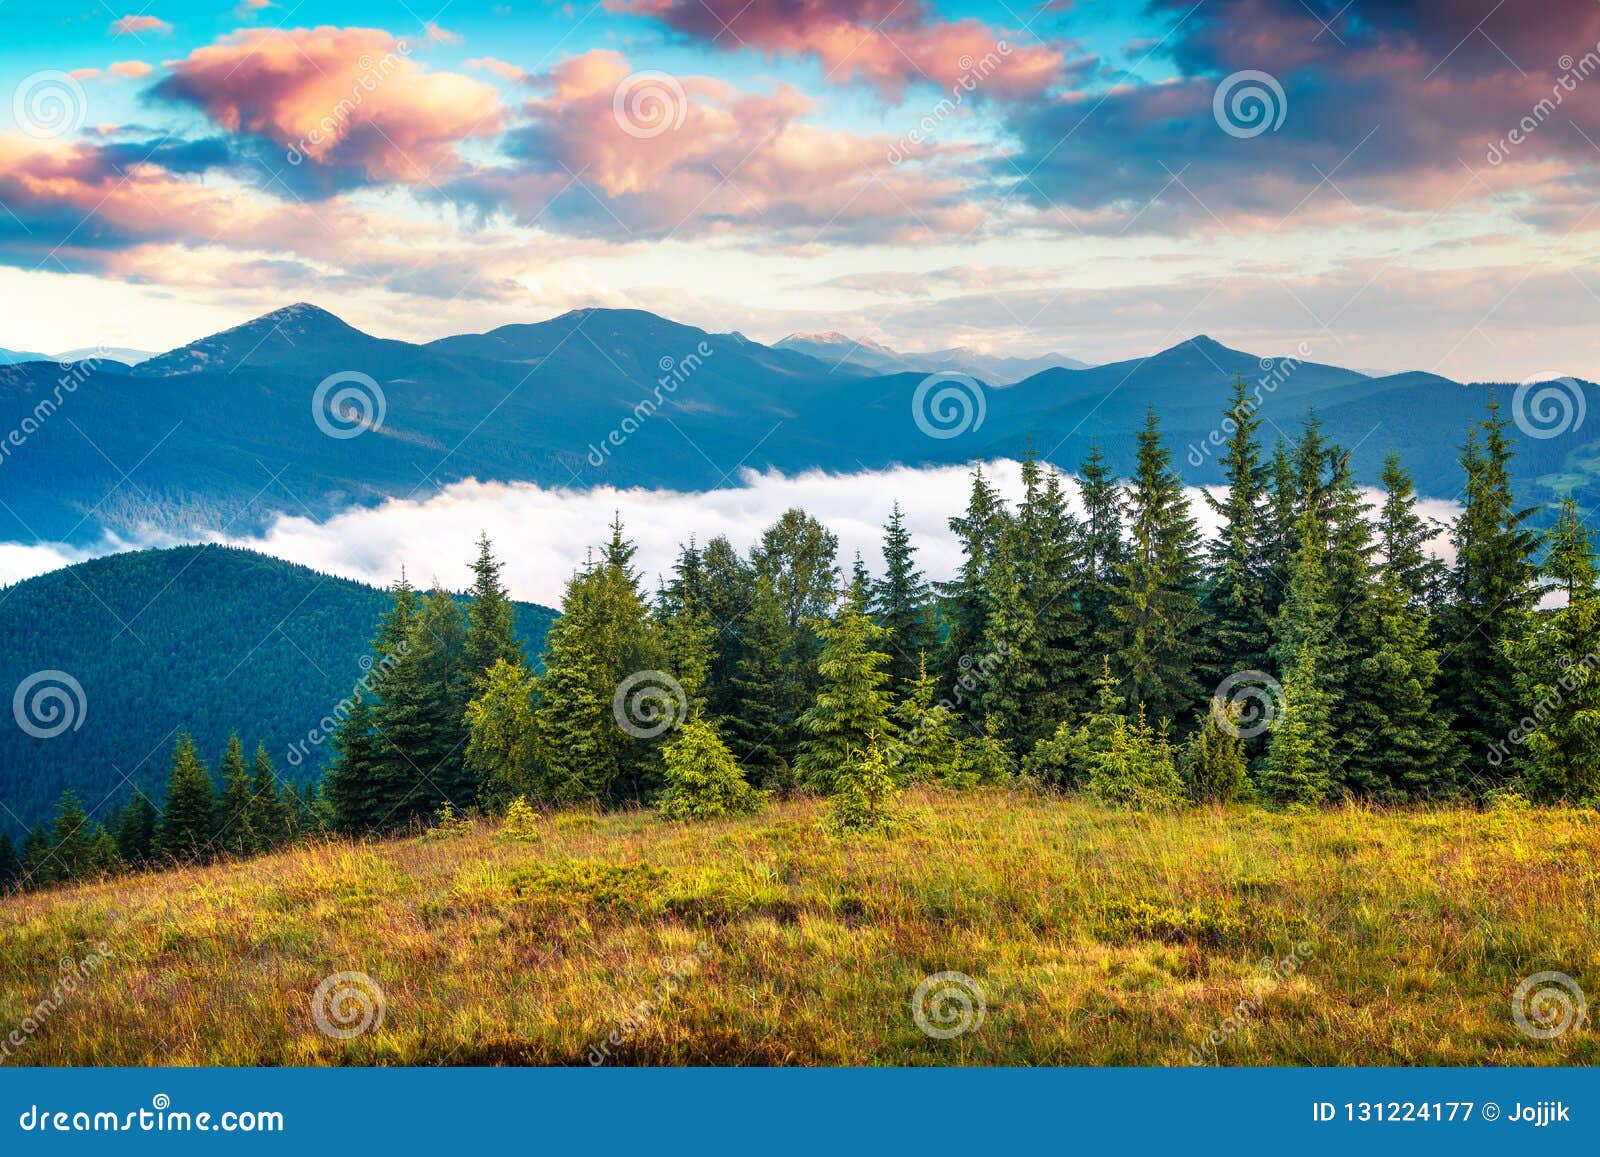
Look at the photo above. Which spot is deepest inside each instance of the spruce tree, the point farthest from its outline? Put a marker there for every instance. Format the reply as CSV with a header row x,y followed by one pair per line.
x,y
900,604
1236,596
851,710
136,829
1493,590
728,594
1557,663
267,815
38,862
233,806
491,618
925,751
1103,554
1138,770
500,728
1295,770
702,779
189,818
10,864
442,680
1212,762
964,600
762,732
351,780
1413,752
866,795
1157,606
1050,553
577,741
72,839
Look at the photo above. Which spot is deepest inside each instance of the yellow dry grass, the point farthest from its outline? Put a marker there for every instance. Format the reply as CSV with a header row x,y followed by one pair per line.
x,y
1095,937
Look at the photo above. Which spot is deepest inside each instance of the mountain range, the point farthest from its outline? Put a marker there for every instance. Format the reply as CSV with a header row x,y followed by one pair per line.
x,y
297,412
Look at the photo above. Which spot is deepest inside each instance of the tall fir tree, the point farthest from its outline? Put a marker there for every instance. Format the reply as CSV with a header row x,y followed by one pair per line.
x,y
268,817
851,712
900,604
1493,591
233,805
189,818
1157,606
72,839
1413,752
964,601
500,730
1236,592
1557,664
136,828
351,782
491,618
10,864
763,731
1295,770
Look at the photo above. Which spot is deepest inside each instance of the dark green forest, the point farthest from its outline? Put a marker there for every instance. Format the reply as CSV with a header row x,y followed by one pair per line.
x,y
1312,650
199,639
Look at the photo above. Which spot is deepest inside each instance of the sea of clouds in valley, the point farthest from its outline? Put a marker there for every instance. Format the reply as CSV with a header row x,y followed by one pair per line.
x,y
543,534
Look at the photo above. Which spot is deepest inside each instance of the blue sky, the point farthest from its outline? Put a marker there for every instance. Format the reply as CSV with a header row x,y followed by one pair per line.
x,y
1396,184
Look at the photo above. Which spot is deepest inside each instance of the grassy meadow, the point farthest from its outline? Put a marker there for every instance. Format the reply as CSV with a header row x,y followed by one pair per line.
x,y
1233,936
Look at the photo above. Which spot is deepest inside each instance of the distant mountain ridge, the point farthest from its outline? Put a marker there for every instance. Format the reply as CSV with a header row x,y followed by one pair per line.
x,y
840,349
222,435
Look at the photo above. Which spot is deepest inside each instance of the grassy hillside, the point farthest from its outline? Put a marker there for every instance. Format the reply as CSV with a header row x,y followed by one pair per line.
x,y
206,638
1096,937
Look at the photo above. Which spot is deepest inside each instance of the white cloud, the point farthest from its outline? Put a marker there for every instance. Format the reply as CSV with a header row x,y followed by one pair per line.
x,y
543,535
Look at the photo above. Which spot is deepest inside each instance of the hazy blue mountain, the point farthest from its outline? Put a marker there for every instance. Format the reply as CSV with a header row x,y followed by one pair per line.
x,y
204,638
16,357
222,435
128,357
838,349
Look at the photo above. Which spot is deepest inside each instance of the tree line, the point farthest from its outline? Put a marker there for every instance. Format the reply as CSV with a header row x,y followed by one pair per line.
x,y
1312,649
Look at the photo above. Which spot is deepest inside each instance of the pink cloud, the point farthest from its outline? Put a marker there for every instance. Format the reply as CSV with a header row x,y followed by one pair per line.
x,y
500,68
645,154
133,25
441,35
349,98
130,69
887,44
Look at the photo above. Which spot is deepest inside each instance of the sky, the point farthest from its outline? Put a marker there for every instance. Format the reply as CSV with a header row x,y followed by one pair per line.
x,y
1408,184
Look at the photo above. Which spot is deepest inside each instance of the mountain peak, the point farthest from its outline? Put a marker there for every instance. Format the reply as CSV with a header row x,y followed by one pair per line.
x,y
299,327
